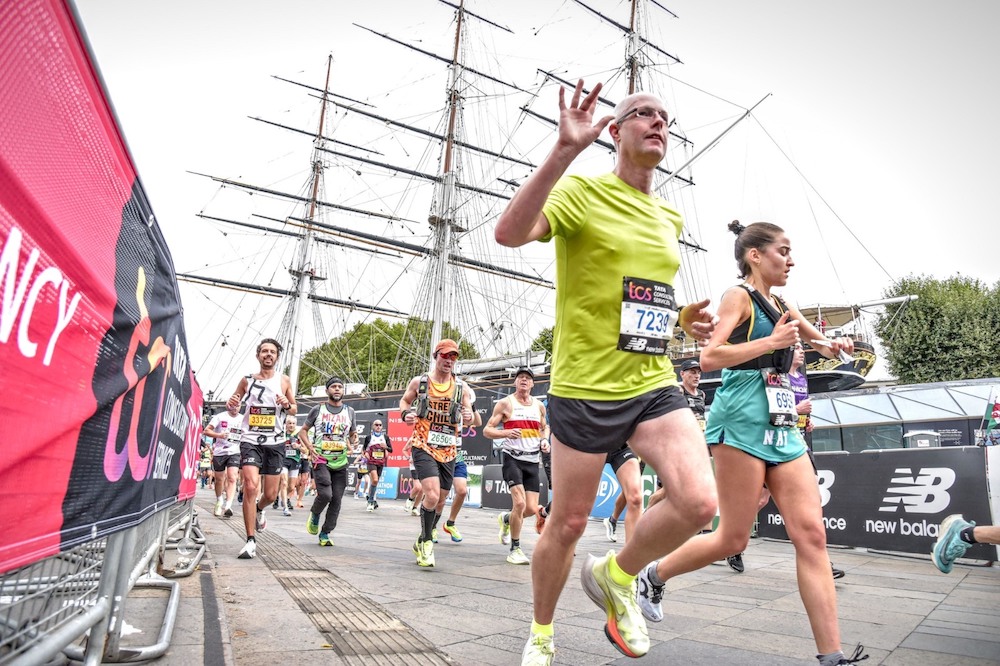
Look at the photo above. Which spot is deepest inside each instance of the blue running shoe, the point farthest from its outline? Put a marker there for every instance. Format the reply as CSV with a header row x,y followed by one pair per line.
x,y
949,546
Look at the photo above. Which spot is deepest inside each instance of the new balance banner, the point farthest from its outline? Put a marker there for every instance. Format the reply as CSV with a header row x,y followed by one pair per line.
x,y
896,499
102,415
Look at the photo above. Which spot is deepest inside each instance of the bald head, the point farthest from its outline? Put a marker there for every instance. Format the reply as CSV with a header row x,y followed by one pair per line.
x,y
628,105
634,100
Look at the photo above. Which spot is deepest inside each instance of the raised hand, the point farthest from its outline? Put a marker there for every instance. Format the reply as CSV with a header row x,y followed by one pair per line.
x,y
577,129
785,334
697,321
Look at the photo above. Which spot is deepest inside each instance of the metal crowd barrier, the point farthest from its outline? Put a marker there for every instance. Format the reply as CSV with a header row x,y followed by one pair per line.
x,y
74,603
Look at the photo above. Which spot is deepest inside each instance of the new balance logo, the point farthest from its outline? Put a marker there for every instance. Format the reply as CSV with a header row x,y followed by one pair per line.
x,y
825,478
635,344
926,492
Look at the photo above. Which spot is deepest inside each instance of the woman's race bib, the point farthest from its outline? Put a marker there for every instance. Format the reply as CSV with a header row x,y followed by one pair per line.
x,y
780,399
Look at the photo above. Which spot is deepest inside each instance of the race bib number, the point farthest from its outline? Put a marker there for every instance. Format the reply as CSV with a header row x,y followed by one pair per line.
x,y
333,446
378,454
262,419
648,316
233,436
780,399
440,440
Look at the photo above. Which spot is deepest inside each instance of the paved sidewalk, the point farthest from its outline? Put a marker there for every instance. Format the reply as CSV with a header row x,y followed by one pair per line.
x,y
364,601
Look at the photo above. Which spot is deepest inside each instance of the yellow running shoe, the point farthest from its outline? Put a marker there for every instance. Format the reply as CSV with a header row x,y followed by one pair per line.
x,y
504,534
626,627
312,524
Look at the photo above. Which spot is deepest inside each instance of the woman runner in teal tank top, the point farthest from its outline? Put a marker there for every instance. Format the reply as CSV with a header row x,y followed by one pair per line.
x,y
752,432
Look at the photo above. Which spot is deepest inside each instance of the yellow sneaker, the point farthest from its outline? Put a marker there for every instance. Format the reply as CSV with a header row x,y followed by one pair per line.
x,y
626,627
504,534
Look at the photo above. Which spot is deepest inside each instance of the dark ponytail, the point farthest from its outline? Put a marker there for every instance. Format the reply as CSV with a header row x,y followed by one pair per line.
x,y
758,235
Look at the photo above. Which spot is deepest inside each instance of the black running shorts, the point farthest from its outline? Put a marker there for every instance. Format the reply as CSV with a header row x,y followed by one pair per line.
x,y
605,426
220,463
270,459
521,473
426,467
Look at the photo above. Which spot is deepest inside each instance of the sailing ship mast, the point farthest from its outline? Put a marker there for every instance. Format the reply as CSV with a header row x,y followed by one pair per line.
x,y
305,272
444,219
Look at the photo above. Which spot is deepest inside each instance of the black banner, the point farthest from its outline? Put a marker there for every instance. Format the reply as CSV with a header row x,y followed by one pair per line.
x,y
496,495
895,499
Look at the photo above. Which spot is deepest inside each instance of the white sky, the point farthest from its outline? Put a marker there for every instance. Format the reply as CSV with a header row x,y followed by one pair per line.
x,y
885,107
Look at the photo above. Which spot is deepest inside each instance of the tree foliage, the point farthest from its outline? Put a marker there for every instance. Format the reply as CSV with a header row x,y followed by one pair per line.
x,y
949,332
382,354
543,342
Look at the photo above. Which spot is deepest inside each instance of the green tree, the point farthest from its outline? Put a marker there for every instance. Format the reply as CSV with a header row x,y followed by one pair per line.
x,y
543,342
948,333
382,354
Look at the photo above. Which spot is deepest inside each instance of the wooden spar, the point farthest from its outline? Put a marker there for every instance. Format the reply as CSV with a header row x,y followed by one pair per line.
x,y
325,138
328,92
433,135
633,58
272,291
317,164
305,272
453,93
710,144
628,31
484,20
296,197
292,234
419,250
412,172
429,54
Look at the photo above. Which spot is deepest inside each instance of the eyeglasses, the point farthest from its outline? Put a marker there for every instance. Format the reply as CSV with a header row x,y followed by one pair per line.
x,y
645,112
451,356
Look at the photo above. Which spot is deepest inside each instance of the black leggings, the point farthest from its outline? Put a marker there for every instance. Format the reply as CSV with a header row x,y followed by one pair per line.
x,y
330,486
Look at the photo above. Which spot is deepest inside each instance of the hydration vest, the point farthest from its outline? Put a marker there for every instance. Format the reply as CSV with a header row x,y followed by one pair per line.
x,y
423,403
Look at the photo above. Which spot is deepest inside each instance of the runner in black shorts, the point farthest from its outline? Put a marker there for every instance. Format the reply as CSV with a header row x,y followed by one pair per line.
x,y
523,437
628,469
612,382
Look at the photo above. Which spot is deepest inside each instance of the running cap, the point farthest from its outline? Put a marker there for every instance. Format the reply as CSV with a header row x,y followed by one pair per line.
x,y
690,364
524,371
446,346
334,380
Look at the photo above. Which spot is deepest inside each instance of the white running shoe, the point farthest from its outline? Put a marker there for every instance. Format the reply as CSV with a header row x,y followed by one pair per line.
x,y
408,506
260,522
609,529
218,507
517,556
286,512
249,551
649,595
539,651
